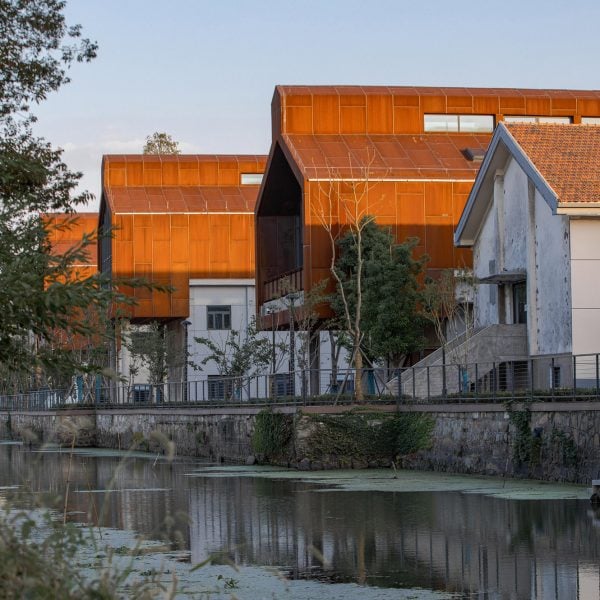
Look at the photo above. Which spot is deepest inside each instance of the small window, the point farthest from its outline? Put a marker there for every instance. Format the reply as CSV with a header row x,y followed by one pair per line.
x,y
460,123
219,387
554,377
441,123
530,119
590,120
475,123
218,317
251,178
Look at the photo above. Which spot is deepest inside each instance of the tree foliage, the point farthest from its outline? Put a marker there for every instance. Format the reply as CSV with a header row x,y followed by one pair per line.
x,y
40,293
161,143
390,318
240,354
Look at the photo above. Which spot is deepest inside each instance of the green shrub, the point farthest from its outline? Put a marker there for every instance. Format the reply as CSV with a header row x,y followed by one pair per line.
x,y
272,433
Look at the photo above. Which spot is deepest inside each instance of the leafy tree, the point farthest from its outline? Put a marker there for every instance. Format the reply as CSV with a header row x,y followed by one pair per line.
x,y
156,348
239,355
161,143
40,294
390,321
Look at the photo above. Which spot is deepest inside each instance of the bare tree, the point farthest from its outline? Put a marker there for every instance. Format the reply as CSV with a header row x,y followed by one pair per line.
x,y
344,200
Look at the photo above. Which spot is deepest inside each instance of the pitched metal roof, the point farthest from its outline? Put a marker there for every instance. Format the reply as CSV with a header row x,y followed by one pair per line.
x,y
428,156
179,183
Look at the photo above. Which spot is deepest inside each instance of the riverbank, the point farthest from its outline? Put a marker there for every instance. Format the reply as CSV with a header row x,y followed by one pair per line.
x,y
548,441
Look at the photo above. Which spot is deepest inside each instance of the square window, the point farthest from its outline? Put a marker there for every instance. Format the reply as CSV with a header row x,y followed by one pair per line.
x,y
218,317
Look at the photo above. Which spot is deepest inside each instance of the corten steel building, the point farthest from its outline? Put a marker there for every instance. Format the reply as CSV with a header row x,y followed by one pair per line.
x,y
183,221
66,231
412,153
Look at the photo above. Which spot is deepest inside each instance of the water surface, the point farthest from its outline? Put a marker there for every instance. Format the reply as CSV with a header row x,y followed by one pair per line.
x,y
364,534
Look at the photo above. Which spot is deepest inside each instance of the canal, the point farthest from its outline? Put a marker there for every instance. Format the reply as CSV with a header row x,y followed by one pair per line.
x,y
275,533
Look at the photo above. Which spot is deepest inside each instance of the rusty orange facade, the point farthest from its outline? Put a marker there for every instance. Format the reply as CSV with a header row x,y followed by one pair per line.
x,y
66,231
175,218
401,154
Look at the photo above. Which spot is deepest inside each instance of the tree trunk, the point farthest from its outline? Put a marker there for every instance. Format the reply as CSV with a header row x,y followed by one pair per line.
x,y
358,370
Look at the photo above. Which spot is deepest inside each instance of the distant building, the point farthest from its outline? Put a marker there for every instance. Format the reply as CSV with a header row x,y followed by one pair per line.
x,y
533,222
186,222
417,149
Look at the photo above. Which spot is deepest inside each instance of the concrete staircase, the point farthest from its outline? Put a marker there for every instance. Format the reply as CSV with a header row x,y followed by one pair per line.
x,y
470,357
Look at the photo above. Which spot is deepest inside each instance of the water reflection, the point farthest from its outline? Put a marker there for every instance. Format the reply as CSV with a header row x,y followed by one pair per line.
x,y
474,545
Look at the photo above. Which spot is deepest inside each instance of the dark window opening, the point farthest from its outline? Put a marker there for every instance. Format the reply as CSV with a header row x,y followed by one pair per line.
x,y
218,317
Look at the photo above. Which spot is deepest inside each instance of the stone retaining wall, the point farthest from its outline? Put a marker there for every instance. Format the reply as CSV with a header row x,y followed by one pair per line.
x,y
477,439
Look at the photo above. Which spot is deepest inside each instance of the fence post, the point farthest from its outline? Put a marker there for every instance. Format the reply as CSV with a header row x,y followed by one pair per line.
x,y
531,382
552,382
414,385
574,375
399,395
428,386
597,378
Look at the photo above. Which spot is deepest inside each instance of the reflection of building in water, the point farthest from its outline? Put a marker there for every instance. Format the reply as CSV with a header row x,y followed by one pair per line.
x,y
473,545
463,543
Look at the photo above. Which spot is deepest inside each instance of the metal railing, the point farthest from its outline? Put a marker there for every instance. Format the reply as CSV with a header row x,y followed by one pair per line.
x,y
544,378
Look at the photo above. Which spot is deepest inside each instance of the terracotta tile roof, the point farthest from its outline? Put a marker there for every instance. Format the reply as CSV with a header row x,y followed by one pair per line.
x,y
178,199
567,157
435,156
179,183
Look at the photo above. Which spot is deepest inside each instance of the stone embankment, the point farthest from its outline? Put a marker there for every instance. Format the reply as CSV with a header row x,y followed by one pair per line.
x,y
552,441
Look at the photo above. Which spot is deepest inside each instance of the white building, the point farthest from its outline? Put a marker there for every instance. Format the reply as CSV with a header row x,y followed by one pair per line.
x,y
532,219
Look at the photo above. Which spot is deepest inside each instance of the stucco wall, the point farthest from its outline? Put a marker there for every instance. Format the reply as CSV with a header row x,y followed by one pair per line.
x,y
551,332
520,234
585,270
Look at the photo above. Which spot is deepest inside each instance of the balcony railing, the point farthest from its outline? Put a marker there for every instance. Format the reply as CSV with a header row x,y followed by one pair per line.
x,y
282,285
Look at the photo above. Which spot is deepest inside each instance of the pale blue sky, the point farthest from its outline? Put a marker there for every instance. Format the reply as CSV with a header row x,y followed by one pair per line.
x,y
204,71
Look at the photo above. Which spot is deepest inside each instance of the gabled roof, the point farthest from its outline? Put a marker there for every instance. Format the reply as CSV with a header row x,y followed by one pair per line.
x,y
179,183
427,156
562,161
567,156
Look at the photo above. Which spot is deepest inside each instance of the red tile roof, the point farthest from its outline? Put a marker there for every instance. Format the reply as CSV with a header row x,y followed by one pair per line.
x,y
433,156
567,157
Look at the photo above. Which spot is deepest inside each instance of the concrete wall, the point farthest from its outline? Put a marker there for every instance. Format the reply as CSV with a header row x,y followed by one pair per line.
x,y
476,438
520,234
585,267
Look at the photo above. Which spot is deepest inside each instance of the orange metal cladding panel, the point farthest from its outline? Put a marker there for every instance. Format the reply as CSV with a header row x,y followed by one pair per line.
x,y
152,172
382,199
411,215
326,114
486,105
380,114
353,119
135,173
170,173
512,105
433,104
538,105
586,107
438,199
439,242
298,119
123,227
407,119
460,104
180,252
219,245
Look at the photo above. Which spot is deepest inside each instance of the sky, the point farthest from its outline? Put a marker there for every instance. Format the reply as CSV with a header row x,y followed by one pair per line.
x,y
204,70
